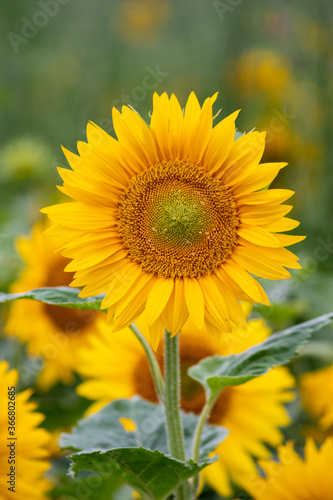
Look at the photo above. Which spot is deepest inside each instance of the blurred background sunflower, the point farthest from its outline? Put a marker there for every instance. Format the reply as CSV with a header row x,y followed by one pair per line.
x,y
28,443
55,334
115,366
64,63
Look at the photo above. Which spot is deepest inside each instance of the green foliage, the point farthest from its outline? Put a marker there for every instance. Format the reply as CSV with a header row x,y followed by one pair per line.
x,y
61,405
94,487
217,372
63,296
139,457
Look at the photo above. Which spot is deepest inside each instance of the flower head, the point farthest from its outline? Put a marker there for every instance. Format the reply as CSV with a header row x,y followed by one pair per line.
x,y
258,71
52,332
293,477
30,446
172,218
116,366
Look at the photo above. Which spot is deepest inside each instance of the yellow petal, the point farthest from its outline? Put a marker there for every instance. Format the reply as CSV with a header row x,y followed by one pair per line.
x,y
257,235
133,303
262,214
268,196
261,177
121,280
254,264
215,298
192,111
176,125
175,313
245,155
246,282
158,298
156,333
236,313
284,224
159,124
80,216
126,136
195,301
201,132
220,143
288,239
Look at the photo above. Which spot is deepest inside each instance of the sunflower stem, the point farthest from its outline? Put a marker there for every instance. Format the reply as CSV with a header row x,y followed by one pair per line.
x,y
172,406
198,433
154,366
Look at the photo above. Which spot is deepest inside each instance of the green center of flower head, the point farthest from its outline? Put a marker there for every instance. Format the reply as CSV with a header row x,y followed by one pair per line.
x,y
179,218
175,220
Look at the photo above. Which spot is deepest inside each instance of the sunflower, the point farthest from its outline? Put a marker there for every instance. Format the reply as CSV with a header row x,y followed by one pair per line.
x,y
293,477
29,447
262,71
172,218
52,332
115,366
317,394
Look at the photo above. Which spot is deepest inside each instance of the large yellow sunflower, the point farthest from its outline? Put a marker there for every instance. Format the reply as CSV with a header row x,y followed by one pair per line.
x,y
294,478
116,366
317,393
54,333
28,449
172,218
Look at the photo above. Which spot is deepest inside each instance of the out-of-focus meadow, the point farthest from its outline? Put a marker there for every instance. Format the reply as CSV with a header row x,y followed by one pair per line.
x,y
63,67
64,63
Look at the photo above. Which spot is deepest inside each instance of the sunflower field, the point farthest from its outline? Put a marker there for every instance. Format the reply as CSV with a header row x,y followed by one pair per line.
x,y
166,243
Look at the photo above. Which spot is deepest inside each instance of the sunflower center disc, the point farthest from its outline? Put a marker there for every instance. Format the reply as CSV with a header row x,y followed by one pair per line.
x,y
176,220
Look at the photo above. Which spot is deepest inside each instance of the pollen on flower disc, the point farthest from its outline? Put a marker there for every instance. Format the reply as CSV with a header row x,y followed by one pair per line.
x,y
175,220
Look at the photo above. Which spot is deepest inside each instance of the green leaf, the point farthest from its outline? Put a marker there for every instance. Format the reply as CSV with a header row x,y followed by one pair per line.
x,y
217,372
61,405
149,472
93,487
63,296
140,457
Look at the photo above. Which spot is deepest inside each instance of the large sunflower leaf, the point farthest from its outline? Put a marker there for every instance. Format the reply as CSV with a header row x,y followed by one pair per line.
x,y
217,372
63,296
140,457
92,487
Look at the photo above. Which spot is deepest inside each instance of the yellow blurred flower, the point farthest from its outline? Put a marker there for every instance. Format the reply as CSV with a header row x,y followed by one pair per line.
x,y
54,333
24,157
317,394
294,478
260,70
115,366
140,22
29,448
172,218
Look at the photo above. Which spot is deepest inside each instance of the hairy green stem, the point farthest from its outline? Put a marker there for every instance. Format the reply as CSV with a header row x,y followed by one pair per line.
x,y
154,366
198,433
172,397
172,407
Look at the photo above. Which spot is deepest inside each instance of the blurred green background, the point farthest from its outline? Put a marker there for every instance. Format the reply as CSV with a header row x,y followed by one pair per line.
x,y
65,62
